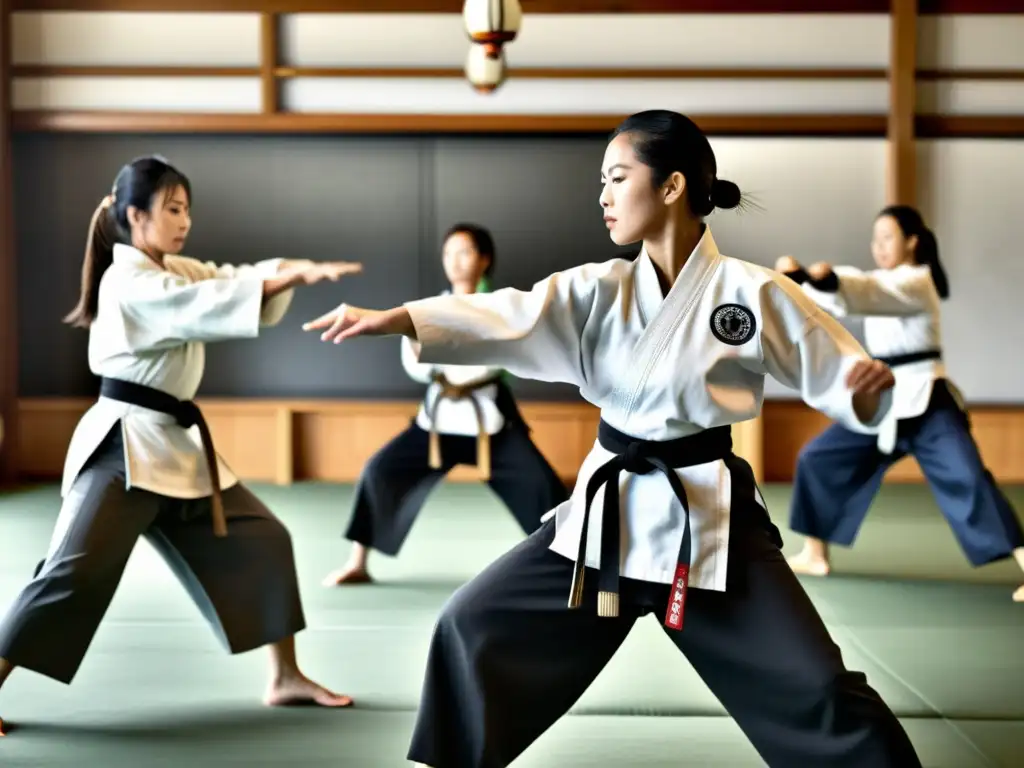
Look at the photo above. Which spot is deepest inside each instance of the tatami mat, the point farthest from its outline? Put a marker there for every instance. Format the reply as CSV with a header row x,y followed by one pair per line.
x,y
939,640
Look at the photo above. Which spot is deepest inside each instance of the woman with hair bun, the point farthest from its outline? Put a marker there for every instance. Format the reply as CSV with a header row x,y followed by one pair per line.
x,y
673,347
839,473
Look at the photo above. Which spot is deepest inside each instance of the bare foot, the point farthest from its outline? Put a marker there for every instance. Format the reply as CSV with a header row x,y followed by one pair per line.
x,y
1018,596
347,575
301,691
809,564
2,731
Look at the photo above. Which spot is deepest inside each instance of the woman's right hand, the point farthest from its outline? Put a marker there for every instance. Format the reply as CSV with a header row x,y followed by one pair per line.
x,y
347,322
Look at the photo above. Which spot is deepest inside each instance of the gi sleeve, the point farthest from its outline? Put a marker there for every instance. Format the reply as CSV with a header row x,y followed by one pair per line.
x,y
161,309
899,292
535,334
809,351
275,308
416,370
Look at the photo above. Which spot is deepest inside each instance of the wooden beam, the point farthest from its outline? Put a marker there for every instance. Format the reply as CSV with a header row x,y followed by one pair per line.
x,y
970,126
901,172
455,6
269,41
529,6
8,276
285,122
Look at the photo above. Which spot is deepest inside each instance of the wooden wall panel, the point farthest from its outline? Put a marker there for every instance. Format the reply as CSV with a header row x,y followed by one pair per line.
x,y
8,290
286,440
999,432
282,441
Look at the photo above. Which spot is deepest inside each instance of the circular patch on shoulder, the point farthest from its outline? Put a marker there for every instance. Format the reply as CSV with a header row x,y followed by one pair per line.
x,y
733,324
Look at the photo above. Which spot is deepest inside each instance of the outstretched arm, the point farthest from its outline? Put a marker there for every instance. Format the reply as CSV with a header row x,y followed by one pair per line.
x,y
842,290
532,334
188,302
806,349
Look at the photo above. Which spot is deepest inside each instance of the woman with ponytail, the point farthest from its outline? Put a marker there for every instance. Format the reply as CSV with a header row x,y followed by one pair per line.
x,y
839,473
468,417
141,461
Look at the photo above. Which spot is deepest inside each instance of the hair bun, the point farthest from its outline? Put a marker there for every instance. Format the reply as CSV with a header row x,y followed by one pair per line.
x,y
725,194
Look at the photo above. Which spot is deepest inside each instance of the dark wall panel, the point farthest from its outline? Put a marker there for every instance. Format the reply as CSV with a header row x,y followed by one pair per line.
x,y
381,200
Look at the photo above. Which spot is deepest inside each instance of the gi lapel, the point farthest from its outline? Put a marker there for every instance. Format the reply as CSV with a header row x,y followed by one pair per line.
x,y
664,316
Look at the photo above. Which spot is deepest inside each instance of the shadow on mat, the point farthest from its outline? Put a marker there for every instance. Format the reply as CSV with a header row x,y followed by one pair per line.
x,y
210,725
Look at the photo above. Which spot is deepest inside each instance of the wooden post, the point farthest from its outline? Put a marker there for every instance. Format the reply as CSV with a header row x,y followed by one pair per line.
x,y
268,61
8,288
901,174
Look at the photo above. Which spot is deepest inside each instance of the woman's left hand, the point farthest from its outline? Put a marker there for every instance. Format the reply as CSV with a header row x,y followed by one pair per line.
x,y
870,377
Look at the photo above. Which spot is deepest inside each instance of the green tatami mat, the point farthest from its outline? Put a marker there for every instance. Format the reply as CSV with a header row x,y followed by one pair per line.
x,y
937,639
230,734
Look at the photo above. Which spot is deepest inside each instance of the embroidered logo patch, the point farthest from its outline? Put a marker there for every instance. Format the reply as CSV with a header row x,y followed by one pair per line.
x,y
733,324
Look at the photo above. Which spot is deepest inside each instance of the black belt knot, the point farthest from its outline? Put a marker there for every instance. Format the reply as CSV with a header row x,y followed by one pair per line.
x,y
641,457
636,459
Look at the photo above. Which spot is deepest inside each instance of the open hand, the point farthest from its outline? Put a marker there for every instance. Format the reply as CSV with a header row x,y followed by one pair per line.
x,y
870,377
819,271
314,272
786,264
347,321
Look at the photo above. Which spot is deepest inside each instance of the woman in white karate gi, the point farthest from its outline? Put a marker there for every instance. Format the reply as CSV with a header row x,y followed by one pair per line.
x,y
468,417
839,473
135,468
674,347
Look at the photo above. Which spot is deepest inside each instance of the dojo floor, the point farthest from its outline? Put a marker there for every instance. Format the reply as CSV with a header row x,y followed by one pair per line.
x,y
942,643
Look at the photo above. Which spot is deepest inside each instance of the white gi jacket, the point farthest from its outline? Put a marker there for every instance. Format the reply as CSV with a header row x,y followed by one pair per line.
x,y
901,311
658,368
454,417
151,328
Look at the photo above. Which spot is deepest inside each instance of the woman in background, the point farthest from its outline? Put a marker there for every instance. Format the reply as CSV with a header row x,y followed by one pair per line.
x,y
141,461
839,473
467,417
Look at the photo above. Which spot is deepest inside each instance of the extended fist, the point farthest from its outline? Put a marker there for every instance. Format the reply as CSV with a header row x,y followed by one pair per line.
x,y
870,377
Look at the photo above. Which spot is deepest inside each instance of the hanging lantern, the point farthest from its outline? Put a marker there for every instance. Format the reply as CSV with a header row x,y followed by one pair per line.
x,y
485,73
492,23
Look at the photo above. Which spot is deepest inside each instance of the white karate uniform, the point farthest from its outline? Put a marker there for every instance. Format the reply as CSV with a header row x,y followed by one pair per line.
x,y
454,417
151,328
657,370
901,310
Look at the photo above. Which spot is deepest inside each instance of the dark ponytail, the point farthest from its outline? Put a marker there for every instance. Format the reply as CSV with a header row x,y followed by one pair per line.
x,y
136,186
99,255
911,223
669,142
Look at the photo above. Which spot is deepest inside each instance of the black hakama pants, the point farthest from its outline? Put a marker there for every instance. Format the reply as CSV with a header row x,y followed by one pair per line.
x,y
508,658
839,473
396,481
245,585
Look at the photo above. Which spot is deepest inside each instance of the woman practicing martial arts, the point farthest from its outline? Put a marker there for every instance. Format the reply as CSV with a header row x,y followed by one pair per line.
x,y
467,417
839,473
673,347
141,461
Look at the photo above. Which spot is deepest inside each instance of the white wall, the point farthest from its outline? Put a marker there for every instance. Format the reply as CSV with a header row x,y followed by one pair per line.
x,y
819,195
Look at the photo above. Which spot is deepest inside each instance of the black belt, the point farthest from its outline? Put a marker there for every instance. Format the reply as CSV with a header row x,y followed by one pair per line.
x,y
911,357
640,457
187,414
